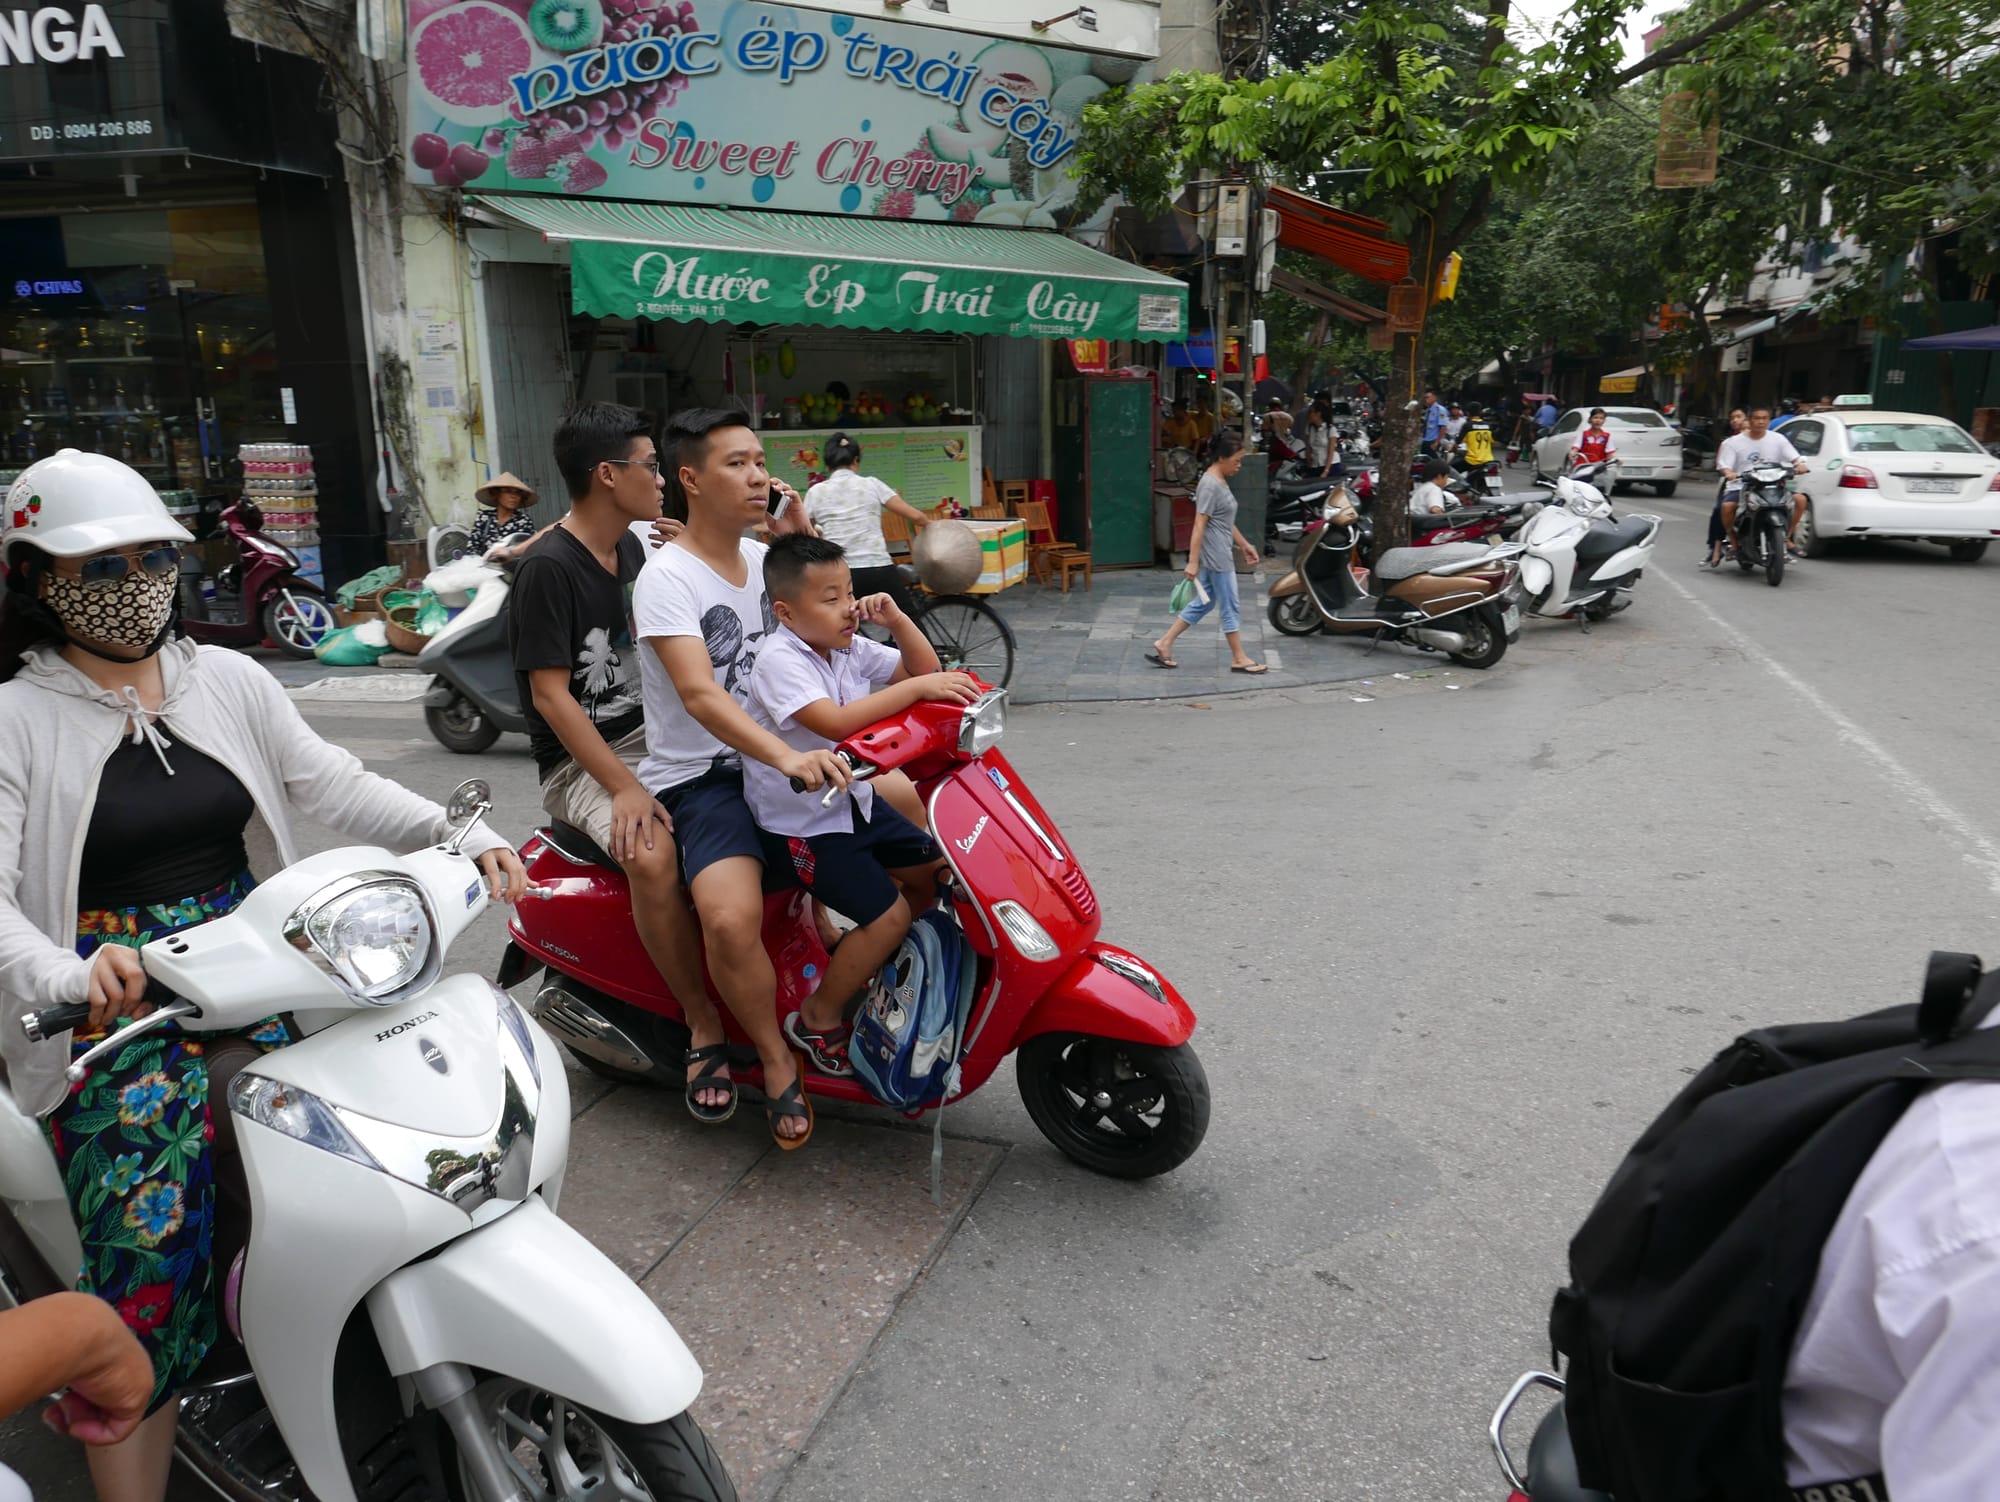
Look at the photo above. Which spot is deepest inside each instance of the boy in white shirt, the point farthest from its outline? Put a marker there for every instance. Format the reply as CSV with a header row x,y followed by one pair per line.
x,y
1429,495
815,683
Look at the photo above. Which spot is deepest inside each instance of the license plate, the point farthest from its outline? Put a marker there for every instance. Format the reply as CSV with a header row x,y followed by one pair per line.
x,y
1511,619
1638,469
1927,486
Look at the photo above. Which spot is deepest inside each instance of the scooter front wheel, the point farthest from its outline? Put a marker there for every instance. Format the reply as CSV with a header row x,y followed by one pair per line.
x,y
298,624
559,1451
1125,1109
1295,615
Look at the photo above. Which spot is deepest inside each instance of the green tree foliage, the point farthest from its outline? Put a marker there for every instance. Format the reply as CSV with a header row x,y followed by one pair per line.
x,y
1431,121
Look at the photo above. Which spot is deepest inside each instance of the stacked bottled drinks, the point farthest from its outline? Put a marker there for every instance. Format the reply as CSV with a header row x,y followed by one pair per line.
x,y
278,478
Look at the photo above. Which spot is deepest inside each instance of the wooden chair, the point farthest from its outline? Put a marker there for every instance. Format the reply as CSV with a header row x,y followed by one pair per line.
x,y
1044,547
895,530
1013,493
1069,563
988,495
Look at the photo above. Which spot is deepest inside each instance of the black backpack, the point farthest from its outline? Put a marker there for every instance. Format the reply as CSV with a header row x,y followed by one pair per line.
x,y
1691,1274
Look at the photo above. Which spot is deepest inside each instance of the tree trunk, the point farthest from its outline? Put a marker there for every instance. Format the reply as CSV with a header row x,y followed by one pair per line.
x,y
1402,426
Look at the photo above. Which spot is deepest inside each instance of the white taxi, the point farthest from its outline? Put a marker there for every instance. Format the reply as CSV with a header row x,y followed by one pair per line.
x,y
1895,474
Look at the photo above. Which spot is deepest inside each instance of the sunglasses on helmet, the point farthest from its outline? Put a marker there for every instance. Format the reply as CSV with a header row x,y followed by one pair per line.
x,y
109,568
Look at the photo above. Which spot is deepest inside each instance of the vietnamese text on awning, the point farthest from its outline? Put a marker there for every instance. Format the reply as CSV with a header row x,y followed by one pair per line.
x,y
697,264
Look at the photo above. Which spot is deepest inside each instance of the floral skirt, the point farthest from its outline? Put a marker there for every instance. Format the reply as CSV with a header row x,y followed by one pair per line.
x,y
132,1139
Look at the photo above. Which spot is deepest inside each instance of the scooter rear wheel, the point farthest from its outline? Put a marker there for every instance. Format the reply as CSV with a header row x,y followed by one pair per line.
x,y
460,727
299,624
1123,1109
1295,615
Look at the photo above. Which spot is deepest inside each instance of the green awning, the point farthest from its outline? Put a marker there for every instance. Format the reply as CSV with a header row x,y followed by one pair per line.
x,y
630,260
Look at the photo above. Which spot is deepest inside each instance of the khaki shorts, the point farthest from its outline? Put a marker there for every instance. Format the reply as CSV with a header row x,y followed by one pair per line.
x,y
575,797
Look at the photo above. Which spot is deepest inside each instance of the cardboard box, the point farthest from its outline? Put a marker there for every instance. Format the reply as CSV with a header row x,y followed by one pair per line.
x,y
1003,555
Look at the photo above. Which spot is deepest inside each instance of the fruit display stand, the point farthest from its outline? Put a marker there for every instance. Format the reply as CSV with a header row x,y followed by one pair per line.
x,y
926,466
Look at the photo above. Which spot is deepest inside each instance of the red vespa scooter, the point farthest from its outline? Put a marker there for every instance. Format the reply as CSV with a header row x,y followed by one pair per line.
x,y
262,596
1100,1038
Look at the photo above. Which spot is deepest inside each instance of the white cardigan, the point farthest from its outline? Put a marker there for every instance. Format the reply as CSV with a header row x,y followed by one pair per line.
x,y
58,728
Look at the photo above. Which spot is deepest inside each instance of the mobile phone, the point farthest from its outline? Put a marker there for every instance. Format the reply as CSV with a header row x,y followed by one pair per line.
x,y
775,505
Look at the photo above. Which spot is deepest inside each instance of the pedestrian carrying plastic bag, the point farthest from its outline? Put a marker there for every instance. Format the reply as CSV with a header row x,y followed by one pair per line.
x,y
1186,592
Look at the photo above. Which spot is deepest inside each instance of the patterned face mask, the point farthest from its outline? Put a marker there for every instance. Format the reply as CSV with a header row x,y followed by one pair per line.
x,y
129,612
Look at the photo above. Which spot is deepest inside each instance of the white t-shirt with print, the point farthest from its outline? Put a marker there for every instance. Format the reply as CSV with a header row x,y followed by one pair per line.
x,y
1740,452
847,508
790,675
679,595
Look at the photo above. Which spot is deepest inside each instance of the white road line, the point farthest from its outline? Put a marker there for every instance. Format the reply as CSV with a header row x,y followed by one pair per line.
x,y
1978,850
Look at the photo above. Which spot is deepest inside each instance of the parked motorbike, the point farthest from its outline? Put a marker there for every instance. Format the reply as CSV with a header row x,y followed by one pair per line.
x,y
404,1312
260,597
474,695
1763,516
1582,562
1099,1037
1458,599
1294,501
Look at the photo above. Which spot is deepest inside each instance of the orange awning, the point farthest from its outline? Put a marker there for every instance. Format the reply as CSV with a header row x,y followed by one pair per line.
x,y
1352,242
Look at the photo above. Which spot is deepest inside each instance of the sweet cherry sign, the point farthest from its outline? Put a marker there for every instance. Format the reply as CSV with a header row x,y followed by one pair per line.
x,y
729,103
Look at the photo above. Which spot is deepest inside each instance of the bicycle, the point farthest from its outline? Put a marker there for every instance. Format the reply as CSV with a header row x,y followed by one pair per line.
x,y
969,635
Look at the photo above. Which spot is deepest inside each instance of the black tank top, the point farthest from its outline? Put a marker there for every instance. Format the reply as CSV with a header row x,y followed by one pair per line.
x,y
157,839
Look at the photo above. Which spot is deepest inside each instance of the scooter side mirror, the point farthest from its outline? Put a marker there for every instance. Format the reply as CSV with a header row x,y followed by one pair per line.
x,y
470,800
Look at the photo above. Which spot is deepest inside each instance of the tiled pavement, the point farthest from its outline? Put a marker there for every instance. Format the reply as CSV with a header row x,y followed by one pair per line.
x,y
1091,645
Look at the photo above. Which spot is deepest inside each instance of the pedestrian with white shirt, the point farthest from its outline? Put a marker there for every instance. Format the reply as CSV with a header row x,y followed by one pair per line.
x,y
847,508
816,682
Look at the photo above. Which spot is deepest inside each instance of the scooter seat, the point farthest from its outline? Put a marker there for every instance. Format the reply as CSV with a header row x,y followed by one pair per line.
x,y
1552,1463
1607,537
578,846
1292,489
1407,563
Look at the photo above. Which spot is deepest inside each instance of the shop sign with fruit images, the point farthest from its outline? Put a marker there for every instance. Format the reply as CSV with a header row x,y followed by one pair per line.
x,y
727,103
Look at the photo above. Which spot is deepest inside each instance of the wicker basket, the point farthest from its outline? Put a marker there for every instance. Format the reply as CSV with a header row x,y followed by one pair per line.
x,y
403,635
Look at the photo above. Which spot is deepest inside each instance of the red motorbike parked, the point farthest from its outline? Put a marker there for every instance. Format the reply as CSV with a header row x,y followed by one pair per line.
x,y
1100,1038
262,596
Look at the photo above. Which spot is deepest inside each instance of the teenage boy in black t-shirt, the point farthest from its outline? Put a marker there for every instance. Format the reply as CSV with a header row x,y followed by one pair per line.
x,y
569,624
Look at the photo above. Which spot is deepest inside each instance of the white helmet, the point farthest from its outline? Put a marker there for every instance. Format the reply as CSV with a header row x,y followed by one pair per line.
x,y
73,504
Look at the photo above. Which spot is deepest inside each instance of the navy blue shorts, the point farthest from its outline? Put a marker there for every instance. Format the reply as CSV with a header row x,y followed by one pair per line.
x,y
850,872
711,821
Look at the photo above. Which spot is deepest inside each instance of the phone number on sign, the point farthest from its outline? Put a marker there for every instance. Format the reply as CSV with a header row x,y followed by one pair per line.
x,y
91,130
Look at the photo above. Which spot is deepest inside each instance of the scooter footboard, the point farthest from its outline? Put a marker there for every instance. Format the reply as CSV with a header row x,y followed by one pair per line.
x,y
528,1297
1110,993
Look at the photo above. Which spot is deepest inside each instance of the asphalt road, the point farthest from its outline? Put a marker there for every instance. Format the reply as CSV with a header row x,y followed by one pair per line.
x,y
1451,947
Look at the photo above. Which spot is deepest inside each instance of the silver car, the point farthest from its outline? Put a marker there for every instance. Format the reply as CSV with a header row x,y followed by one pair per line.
x,y
1649,447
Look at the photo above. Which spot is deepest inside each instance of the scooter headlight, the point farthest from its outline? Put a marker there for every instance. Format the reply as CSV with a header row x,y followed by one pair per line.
x,y
1027,936
299,1114
985,721
373,933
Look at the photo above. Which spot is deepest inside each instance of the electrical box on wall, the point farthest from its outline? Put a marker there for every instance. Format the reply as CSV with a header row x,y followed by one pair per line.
x,y
1232,220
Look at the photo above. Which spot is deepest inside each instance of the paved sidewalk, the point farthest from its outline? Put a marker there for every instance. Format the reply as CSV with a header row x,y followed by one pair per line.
x,y
1087,646
1090,645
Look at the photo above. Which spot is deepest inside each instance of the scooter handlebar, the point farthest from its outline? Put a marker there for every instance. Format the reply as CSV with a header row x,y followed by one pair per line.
x,y
50,1022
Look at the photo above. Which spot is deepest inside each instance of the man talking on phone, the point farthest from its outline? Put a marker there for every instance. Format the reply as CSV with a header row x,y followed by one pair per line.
x,y
569,625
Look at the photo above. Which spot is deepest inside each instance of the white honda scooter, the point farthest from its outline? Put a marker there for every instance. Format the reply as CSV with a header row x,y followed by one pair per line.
x,y
1582,562
406,1316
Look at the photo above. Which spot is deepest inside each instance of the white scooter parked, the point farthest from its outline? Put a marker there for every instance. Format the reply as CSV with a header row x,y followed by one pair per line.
x,y
1582,562
414,1321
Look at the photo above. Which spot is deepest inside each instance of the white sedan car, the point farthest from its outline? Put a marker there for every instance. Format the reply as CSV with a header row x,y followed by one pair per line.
x,y
1649,447
1895,474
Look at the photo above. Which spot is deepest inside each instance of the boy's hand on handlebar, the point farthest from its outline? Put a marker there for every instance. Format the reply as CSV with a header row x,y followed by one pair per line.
x,y
879,610
816,769
633,813
506,877
117,986
947,688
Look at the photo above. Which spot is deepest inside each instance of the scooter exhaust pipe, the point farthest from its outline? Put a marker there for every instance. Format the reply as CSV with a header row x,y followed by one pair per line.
x,y
1443,641
585,1030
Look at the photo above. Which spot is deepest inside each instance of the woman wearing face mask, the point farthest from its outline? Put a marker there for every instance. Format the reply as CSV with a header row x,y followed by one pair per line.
x,y
131,764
